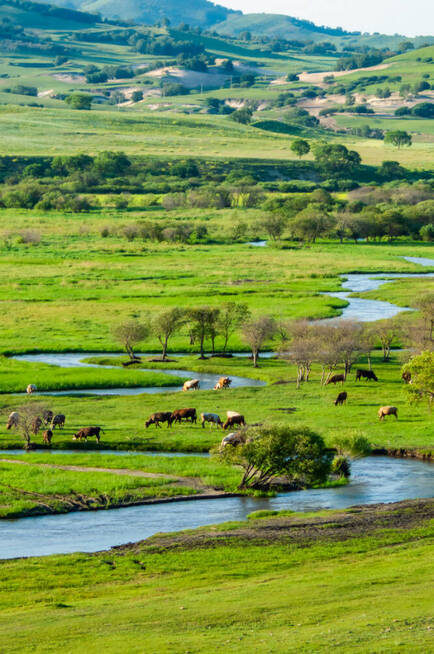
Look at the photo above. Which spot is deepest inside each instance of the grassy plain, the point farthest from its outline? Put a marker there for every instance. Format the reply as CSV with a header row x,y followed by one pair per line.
x,y
303,583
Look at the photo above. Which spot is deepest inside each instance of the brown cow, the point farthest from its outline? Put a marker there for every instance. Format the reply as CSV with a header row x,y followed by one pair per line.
x,y
160,416
234,420
47,417
336,379
36,425
58,421
387,411
47,435
184,414
87,432
341,398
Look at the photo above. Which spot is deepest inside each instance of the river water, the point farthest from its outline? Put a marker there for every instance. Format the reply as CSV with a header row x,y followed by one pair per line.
x,y
375,479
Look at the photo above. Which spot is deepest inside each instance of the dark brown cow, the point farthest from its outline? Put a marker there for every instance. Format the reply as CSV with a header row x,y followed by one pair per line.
x,y
234,420
47,435
87,432
365,374
58,421
47,417
341,398
406,376
336,379
161,416
184,414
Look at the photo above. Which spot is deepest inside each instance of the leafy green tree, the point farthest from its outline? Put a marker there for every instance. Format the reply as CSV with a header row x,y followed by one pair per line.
x,y
81,101
274,224
312,223
231,316
202,321
423,110
165,324
427,232
130,334
271,451
300,147
243,116
398,138
335,159
112,164
136,96
421,369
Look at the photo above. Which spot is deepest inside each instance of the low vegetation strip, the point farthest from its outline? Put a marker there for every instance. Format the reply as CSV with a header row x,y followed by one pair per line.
x,y
358,580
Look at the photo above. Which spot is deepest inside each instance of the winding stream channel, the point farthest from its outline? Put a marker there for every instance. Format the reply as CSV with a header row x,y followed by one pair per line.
x,y
374,480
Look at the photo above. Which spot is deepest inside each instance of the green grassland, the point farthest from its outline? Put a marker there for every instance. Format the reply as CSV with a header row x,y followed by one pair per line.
x,y
303,583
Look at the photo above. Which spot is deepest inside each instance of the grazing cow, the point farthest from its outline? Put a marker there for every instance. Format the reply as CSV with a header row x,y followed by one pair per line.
x,y
223,382
234,420
335,379
31,388
341,398
191,385
36,425
232,414
160,416
58,421
184,414
212,418
234,438
406,376
87,432
387,411
47,417
47,435
13,420
365,374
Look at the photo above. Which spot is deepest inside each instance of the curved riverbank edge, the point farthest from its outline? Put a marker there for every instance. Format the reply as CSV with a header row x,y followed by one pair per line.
x,y
426,455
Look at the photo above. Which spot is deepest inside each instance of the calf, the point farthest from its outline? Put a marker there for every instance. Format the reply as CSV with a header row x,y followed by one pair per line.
x,y
335,379
87,432
387,411
212,418
160,416
191,385
341,398
234,420
58,421
184,414
47,435
366,374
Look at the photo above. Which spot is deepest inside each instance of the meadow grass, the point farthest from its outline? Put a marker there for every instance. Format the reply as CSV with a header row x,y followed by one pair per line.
x,y
174,594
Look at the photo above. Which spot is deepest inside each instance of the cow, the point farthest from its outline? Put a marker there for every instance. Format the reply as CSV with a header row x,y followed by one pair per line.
x,y
341,398
160,416
212,418
223,382
58,421
232,414
406,376
366,374
387,411
234,420
191,385
47,417
31,388
336,378
87,432
234,438
36,425
184,414
13,420
47,435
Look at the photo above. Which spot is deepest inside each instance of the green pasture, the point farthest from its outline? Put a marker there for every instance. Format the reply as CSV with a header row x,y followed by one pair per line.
x,y
235,587
33,489
123,417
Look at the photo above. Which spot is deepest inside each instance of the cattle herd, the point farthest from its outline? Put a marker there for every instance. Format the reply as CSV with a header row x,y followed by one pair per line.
x,y
50,421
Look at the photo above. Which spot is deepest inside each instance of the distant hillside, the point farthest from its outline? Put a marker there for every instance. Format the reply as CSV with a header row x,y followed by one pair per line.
x,y
34,15
193,12
289,28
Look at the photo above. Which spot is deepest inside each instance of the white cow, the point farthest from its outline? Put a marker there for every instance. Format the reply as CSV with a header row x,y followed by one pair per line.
x,y
13,420
191,385
31,388
212,418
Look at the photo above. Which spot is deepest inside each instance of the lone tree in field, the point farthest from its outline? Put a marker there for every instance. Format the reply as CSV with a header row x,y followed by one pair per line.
x,y
274,224
398,138
336,159
421,369
256,332
231,317
349,335
29,414
300,147
130,334
301,348
165,324
385,331
203,320
271,451
81,101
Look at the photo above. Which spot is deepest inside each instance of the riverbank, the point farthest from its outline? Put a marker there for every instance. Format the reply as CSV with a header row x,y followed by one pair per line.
x,y
356,580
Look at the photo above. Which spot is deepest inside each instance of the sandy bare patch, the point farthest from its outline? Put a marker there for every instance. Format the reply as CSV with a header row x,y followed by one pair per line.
x,y
70,78
318,78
